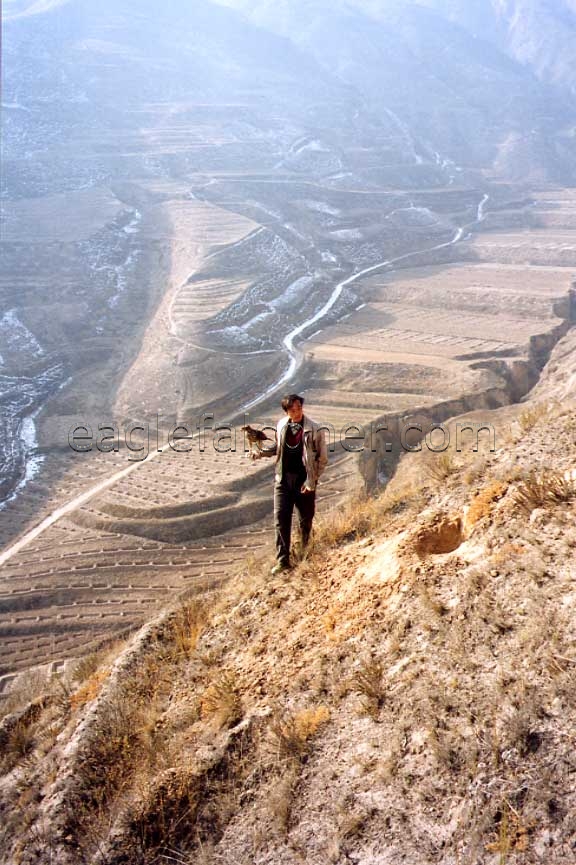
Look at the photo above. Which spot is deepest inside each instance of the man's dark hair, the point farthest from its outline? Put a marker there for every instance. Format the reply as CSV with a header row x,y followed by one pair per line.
x,y
288,401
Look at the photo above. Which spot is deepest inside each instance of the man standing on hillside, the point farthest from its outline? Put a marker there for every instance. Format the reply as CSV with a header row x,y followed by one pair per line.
x,y
301,457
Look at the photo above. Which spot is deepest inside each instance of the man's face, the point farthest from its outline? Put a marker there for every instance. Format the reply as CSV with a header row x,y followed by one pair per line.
x,y
295,412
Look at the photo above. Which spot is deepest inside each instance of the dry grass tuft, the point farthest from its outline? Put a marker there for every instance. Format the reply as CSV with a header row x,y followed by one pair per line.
x,y
350,823
106,765
221,702
536,412
86,667
355,520
281,799
90,689
365,515
402,498
309,721
369,682
20,734
19,744
187,627
126,741
512,834
439,467
543,488
474,471
290,735
30,687
168,809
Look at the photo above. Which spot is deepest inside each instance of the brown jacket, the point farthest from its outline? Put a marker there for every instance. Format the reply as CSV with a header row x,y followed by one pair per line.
x,y
314,452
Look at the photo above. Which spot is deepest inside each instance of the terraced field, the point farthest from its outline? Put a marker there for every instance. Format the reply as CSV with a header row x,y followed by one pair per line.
x,y
104,568
449,334
167,374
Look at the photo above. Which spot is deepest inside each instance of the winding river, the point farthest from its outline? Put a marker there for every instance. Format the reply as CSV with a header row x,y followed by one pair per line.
x,y
295,356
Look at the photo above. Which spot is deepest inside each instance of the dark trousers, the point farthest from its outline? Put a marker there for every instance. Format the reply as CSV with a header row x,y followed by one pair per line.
x,y
287,496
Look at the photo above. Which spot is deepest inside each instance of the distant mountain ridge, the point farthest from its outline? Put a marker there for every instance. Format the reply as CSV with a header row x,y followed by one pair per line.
x,y
487,86
543,36
489,83
534,32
